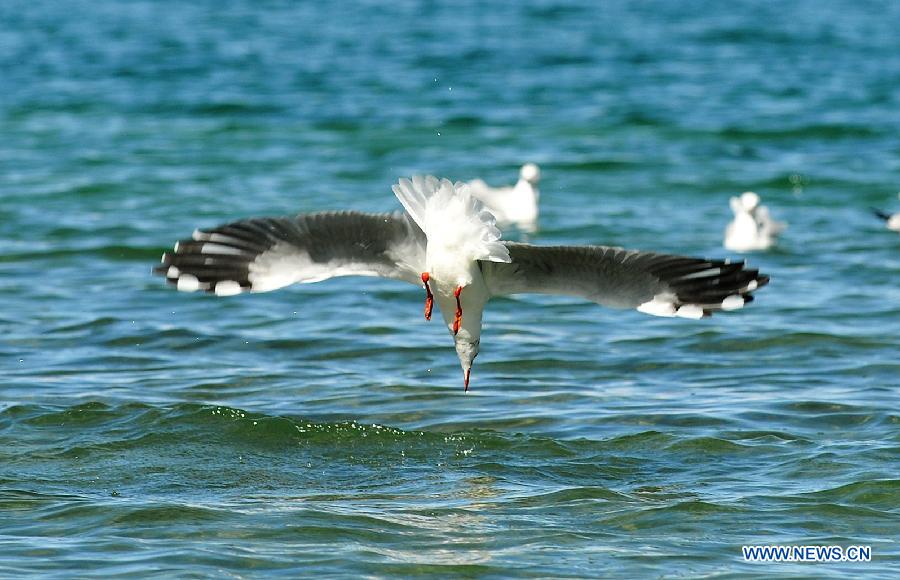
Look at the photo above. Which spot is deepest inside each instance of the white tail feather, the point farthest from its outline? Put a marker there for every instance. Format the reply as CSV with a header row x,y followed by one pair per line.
x,y
452,219
414,195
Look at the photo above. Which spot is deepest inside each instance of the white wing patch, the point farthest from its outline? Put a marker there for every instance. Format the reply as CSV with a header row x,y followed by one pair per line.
x,y
689,311
661,305
228,288
284,264
188,283
733,302
211,248
665,305
201,236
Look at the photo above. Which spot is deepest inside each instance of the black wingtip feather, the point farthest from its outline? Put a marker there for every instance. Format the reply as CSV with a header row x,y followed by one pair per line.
x,y
208,270
710,284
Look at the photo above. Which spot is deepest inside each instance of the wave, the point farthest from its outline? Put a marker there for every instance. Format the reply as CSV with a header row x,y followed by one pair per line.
x,y
113,252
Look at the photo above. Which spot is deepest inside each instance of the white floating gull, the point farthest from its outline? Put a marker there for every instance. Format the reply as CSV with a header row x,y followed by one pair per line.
x,y
752,227
447,242
891,221
516,205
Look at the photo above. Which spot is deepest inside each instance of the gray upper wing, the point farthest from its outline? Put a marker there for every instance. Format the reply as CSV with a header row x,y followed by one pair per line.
x,y
262,254
659,284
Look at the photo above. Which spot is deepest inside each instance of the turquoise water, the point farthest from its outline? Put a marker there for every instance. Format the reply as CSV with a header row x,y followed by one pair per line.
x,y
323,429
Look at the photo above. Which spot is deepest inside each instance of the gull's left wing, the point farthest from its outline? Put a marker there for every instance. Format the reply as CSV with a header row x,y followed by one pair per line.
x,y
262,254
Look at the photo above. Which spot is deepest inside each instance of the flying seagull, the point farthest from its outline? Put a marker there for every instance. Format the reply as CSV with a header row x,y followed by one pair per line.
x,y
891,221
516,205
447,243
752,227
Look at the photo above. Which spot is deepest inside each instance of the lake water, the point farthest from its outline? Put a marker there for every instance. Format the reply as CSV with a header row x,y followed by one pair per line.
x,y
323,429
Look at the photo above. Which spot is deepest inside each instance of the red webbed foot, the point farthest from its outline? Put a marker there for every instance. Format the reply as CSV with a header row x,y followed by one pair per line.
x,y
457,320
429,297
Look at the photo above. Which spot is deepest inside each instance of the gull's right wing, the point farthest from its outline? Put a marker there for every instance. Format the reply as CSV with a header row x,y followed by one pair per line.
x,y
658,284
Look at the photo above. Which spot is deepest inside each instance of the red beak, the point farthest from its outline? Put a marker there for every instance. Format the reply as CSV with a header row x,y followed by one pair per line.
x,y
466,390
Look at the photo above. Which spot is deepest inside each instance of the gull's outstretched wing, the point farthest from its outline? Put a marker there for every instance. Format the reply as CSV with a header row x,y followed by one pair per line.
x,y
882,214
892,220
262,254
658,284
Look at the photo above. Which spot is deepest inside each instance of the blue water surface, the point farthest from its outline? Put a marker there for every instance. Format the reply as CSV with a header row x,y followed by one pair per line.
x,y
323,429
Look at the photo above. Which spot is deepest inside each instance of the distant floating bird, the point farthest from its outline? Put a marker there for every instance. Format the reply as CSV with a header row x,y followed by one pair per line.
x,y
752,227
892,221
448,243
512,206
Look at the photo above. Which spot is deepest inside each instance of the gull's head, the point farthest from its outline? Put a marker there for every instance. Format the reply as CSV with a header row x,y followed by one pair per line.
x,y
749,200
466,350
530,173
